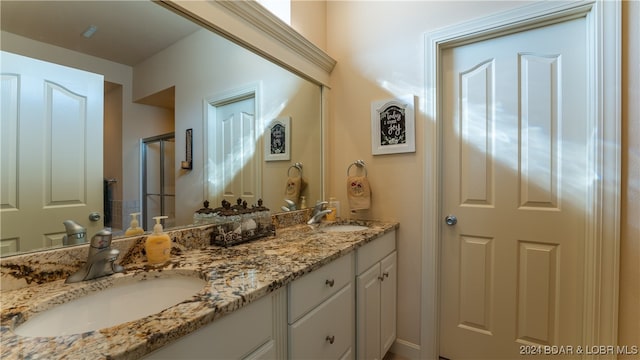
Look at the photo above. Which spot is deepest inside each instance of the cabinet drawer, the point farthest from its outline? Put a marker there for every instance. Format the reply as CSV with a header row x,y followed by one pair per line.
x,y
230,337
313,288
327,331
375,251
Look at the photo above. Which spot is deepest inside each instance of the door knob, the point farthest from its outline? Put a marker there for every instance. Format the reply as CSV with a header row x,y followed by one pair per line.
x,y
94,216
451,220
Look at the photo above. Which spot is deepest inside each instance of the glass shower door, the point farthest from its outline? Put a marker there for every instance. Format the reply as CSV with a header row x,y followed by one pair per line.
x,y
158,180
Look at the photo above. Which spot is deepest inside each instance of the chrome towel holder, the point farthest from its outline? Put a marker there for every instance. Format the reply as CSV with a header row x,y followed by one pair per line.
x,y
359,164
297,166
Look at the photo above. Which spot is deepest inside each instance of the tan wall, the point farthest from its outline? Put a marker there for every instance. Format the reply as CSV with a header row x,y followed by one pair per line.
x,y
196,78
309,18
379,47
112,159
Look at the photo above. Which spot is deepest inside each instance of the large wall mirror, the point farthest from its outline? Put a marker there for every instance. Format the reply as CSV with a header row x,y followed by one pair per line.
x,y
185,116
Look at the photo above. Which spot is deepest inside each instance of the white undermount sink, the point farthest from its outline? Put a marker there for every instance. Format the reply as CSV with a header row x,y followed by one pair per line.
x,y
345,228
123,302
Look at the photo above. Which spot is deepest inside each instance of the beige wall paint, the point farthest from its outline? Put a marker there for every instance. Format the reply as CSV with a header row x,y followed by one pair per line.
x,y
309,18
195,79
629,319
379,47
112,160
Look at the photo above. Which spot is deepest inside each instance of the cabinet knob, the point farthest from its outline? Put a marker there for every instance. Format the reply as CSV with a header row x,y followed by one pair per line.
x,y
329,282
330,339
385,274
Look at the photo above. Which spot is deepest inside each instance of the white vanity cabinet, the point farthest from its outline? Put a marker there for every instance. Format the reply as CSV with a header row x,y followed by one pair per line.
x,y
252,332
376,297
321,312
342,310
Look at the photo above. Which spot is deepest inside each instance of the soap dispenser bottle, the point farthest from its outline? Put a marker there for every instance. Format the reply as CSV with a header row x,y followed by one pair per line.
x,y
334,206
158,244
134,228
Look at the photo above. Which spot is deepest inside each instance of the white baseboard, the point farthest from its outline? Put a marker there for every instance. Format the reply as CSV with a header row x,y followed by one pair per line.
x,y
406,349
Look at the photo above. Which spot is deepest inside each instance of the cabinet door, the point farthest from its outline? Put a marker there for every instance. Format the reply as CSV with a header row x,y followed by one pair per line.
x,y
265,352
388,302
368,313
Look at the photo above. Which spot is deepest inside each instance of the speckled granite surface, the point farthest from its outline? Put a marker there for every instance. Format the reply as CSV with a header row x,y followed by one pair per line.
x,y
235,277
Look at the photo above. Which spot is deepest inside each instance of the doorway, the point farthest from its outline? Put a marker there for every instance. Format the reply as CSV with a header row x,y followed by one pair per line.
x,y
597,258
158,180
51,152
515,189
233,167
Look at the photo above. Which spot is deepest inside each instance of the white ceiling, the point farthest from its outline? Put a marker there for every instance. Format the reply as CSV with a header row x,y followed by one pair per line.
x,y
128,31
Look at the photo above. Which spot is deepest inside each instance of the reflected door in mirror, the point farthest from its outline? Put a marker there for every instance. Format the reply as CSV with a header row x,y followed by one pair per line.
x,y
235,163
51,166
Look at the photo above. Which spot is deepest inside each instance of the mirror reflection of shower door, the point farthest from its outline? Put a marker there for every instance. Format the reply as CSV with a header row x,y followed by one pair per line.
x,y
158,180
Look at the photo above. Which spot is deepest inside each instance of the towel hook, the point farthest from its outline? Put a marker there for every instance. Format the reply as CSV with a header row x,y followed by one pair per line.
x,y
298,166
360,164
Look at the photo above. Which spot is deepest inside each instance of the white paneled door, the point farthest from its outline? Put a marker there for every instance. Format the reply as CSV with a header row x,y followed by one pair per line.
x,y
515,183
235,161
51,161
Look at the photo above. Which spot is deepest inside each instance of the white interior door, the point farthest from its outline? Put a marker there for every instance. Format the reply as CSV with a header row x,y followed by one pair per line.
x,y
515,177
235,161
51,168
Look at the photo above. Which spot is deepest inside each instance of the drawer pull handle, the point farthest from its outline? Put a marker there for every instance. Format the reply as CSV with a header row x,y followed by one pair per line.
x,y
330,339
330,283
384,275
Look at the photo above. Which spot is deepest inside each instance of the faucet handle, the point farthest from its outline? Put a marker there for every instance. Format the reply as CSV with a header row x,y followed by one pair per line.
x,y
291,206
319,205
102,239
73,227
76,233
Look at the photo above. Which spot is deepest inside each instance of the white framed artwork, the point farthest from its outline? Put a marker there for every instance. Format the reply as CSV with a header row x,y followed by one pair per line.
x,y
393,126
277,145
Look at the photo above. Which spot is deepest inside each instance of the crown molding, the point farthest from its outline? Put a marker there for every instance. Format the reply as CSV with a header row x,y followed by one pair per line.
x,y
262,19
252,26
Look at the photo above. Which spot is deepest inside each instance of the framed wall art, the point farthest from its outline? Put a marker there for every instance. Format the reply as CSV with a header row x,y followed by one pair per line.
x,y
393,126
278,140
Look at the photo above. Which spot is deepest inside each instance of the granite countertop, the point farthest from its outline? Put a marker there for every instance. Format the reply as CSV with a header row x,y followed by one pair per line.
x,y
235,277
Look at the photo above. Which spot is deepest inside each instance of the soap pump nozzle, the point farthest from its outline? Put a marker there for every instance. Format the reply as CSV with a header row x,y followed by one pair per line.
x,y
134,219
157,228
134,226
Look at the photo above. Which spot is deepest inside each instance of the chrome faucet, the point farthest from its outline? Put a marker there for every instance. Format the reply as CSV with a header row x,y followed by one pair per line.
x,y
318,213
101,259
76,234
291,206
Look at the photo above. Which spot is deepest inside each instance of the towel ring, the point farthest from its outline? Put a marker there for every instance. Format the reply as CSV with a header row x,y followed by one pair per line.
x,y
297,166
360,164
